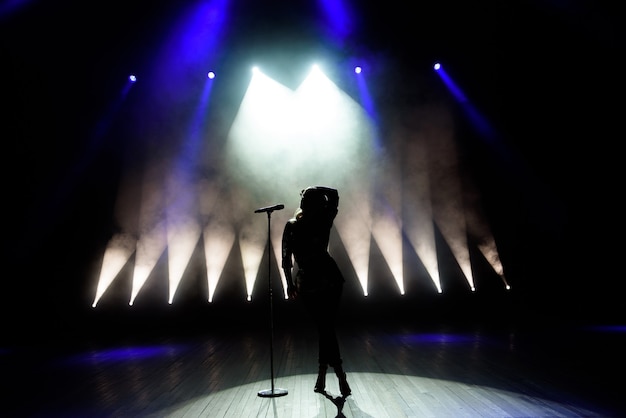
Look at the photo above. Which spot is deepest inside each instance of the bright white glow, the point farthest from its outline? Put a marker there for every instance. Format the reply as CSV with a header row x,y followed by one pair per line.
x,y
357,70
490,252
354,228
387,227
437,66
417,205
316,135
150,247
123,244
116,255
219,235
448,196
183,228
182,239
132,78
388,235
481,232
153,233
218,241
252,244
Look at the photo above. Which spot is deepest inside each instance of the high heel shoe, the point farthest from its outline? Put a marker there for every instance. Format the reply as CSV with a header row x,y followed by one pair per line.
x,y
320,383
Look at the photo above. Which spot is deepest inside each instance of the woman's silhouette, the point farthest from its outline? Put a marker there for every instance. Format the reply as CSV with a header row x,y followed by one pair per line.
x,y
318,282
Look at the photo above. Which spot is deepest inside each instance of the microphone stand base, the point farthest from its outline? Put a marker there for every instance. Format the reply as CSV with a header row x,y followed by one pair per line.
x,y
272,393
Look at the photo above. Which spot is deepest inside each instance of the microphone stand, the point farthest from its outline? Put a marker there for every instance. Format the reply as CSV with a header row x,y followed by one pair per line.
x,y
273,391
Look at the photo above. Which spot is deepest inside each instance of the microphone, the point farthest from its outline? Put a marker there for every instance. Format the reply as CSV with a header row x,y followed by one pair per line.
x,y
270,208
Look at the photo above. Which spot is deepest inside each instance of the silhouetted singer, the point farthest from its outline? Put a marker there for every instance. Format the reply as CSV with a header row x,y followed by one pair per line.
x,y
318,282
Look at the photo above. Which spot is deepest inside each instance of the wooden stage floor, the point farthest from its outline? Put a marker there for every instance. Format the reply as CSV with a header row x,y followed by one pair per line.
x,y
408,367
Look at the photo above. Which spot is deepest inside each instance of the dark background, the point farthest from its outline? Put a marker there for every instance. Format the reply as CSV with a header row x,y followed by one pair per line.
x,y
548,75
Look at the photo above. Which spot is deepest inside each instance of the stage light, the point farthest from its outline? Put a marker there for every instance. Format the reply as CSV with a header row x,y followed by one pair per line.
x,y
319,136
313,135
119,250
183,234
132,78
211,75
463,219
437,66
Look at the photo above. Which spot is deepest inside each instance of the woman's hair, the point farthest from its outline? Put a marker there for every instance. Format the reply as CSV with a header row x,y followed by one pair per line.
x,y
313,198
319,202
